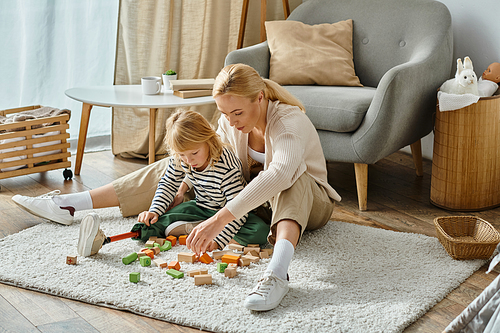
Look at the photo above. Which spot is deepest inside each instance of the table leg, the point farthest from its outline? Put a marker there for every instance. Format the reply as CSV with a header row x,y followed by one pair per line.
x,y
243,22
152,130
263,9
82,136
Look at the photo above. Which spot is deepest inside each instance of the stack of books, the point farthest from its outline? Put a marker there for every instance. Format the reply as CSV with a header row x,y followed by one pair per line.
x,y
192,88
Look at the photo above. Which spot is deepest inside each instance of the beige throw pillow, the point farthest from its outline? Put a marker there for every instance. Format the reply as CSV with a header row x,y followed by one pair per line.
x,y
304,54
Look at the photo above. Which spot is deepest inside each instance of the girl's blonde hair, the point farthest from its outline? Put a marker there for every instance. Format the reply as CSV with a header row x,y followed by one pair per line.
x,y
186,130
244,81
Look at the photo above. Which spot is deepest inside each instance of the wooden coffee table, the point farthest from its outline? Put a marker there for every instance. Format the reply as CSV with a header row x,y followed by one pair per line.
x,y
129,96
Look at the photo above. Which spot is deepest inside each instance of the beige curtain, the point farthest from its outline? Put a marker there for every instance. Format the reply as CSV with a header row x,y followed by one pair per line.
x,y
192,37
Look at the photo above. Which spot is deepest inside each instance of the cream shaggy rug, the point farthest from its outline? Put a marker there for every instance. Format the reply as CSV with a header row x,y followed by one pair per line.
x,y
343,278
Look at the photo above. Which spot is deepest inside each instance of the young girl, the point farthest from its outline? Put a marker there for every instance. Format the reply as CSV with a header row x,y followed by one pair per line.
x,y
202,162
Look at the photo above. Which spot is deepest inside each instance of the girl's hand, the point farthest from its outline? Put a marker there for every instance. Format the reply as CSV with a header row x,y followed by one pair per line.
x,y
212,247
178,199
148,218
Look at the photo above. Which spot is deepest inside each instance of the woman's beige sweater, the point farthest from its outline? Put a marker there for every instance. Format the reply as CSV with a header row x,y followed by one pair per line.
x,y
292,148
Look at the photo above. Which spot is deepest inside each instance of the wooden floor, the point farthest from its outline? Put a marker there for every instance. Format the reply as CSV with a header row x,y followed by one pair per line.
x,y
397,200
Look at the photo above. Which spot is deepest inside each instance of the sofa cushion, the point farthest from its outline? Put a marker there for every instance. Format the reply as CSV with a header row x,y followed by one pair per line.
x,y
334,108
311,54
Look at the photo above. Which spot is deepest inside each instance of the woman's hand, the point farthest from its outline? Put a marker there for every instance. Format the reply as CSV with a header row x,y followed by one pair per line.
x,y
148,218
200,239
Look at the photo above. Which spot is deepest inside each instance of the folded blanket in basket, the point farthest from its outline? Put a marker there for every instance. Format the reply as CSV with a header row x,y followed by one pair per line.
x,y
43,112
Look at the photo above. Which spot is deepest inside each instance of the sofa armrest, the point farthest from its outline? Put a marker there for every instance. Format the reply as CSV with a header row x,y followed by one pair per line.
x,y
256,56
402,109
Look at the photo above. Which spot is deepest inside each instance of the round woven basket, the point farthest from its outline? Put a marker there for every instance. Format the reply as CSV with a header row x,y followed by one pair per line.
x,y
467,237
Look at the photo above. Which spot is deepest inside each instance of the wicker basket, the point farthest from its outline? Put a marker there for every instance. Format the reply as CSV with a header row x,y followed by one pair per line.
x,y
467,237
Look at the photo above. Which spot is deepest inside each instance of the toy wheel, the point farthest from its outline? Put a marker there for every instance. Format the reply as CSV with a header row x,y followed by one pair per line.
x,y
67,174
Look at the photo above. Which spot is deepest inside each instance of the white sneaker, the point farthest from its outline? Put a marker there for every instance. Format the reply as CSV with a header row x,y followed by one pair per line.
x,y
267,294
91,236
44,207
181,228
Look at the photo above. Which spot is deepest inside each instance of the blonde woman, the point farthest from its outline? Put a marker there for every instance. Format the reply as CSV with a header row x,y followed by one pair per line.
x,y
282,161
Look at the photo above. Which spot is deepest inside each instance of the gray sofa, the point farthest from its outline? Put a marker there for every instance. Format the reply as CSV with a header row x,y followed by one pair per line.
x,y
402,53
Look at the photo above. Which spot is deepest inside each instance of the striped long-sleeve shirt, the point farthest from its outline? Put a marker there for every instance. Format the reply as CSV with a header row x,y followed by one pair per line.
x,y
213,188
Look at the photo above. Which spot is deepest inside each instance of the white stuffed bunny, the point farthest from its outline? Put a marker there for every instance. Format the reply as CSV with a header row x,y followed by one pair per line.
x,y
465,81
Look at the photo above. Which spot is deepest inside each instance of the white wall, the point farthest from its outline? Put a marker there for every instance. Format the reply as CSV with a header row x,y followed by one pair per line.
x,y
476,33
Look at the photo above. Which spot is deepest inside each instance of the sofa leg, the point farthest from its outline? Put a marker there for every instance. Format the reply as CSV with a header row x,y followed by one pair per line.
x,y
361,171
416,152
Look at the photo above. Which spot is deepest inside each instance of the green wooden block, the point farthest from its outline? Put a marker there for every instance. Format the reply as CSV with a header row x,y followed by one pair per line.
x,y
156,245
135,277
165,247
221,267
145,261
130,258
175,273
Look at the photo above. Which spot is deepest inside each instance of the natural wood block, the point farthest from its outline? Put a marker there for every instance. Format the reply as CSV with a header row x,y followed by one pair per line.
x,y
236,247
230,259
263,255
150,243
156,249
141,254
197,272
205,258
186,257
71,260
269,251
202,279
253,245
160,241
182,239
244,261
172,240
218,254
174,265
253,259
153,238
230,272
160,263
254,249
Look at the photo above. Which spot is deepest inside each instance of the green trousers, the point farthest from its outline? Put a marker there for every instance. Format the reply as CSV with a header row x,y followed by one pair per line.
x,y
254,231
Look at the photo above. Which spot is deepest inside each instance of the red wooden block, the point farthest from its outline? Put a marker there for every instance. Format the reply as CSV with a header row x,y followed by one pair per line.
x,y
71,260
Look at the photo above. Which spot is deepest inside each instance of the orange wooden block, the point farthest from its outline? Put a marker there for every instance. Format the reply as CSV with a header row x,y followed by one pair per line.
x,y
149,253
175,265
230,259
172,239
182,239
218,254
205,258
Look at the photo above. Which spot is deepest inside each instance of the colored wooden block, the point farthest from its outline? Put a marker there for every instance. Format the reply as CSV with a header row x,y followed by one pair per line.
x,y
160,263
202,279
218,254
263,255
174,265
175,273
156,250
172,239
141,254
205,258
186,257
244,261
149,253
230,259
236,247
247,249
221,267
182,239
71,260
135,277
145,261
150,243
166,246
130,258
161,241
252,258
230,272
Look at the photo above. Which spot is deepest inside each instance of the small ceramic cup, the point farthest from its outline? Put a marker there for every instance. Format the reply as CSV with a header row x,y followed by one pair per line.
x,y
151,85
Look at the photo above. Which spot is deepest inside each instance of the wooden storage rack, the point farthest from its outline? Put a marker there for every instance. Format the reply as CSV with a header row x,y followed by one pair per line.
x,y
40,163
